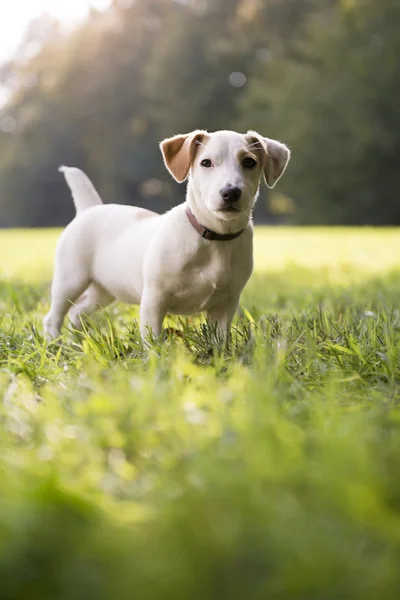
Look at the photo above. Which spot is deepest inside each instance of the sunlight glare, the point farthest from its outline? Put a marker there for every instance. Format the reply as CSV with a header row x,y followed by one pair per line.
x,y
20,13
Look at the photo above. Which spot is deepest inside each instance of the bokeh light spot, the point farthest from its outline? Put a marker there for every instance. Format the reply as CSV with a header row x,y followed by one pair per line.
x,y
237,79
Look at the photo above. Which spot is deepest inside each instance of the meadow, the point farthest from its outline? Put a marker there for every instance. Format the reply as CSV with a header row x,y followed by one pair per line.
x,y
266,469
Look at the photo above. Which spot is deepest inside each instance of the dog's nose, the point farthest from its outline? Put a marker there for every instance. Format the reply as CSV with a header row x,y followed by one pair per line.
x,y
231,194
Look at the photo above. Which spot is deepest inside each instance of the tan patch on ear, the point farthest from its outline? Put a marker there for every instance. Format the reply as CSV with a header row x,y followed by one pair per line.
x,y
179,153
275,156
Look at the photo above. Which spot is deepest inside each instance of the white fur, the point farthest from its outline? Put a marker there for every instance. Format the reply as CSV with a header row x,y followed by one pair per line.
x,y
136,256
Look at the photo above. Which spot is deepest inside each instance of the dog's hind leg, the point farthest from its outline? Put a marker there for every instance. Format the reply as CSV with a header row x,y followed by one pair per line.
x,y
94,298
66,288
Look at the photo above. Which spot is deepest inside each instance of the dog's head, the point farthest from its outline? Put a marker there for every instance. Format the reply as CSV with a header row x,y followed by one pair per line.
x,y
225,168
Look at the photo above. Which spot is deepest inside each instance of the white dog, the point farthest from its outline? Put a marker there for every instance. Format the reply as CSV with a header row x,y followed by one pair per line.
x,y
196,257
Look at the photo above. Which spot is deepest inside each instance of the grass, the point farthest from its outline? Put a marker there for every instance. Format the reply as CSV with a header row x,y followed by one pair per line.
x,y
265,470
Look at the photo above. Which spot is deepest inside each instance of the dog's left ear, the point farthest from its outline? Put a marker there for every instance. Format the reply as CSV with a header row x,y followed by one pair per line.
x,y
275,156
179,153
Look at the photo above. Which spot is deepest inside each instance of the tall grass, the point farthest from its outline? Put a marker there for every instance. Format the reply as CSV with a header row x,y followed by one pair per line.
x,y
268,469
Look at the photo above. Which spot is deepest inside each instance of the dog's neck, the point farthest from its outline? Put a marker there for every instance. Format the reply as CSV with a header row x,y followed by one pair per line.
x,y
210,220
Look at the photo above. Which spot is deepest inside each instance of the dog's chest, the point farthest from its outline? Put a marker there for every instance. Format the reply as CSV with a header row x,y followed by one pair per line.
x,y
204,281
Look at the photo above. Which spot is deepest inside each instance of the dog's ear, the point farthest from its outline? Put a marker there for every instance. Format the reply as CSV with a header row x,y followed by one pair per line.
x,y
179,153
275,156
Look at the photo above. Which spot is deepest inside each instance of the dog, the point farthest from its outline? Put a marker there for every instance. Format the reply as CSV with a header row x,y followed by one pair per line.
x,y
196,257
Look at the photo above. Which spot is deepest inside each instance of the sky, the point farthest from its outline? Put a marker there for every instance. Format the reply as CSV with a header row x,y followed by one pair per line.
x,y
17,14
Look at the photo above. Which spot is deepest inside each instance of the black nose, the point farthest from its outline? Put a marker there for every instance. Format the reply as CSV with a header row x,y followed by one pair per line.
x,y
231,194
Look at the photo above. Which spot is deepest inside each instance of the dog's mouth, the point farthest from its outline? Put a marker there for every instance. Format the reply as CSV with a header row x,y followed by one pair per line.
x,y
229,209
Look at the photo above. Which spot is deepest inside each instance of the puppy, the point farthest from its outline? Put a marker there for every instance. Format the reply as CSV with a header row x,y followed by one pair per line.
x,y
196,257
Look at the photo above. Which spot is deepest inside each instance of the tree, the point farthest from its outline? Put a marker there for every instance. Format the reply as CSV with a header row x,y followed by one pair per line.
x,y
337,108
322,75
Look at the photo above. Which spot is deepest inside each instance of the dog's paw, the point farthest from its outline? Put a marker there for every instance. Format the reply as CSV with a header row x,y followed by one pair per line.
x,y
50,332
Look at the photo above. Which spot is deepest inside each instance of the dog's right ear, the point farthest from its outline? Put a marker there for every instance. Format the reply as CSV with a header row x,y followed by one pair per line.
x,y
179,153
275,156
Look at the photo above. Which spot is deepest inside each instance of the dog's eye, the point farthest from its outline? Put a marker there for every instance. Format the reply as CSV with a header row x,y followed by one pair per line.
x,y
206,163
249,163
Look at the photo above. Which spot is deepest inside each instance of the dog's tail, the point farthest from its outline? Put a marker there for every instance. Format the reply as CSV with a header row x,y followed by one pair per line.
x,y
83,191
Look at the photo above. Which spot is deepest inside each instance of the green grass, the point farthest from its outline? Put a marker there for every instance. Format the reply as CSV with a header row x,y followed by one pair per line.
x,y
269,469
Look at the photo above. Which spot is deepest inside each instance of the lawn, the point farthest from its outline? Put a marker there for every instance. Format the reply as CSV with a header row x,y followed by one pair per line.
x,y
269,469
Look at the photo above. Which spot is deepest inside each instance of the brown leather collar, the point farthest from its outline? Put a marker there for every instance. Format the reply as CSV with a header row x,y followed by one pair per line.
x,y
207,233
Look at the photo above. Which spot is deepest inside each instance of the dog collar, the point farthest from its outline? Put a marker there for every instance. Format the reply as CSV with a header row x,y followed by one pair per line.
x,y
207,233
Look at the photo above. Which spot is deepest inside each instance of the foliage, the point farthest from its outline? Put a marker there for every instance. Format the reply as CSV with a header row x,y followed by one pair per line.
x,y
321,75
266,469
335,103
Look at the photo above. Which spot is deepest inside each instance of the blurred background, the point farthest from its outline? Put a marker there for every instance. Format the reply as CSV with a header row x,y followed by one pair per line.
x,y
98,85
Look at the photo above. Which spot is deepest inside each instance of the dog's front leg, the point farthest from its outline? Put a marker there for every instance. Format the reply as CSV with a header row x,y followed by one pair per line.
x,y
152,313
222,316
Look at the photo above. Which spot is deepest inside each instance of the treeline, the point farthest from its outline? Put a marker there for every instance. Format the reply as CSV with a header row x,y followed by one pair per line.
x,y
321,75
